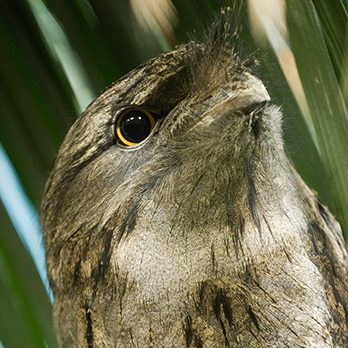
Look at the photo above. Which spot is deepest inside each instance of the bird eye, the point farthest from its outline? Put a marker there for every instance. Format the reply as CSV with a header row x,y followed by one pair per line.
x,y
133,126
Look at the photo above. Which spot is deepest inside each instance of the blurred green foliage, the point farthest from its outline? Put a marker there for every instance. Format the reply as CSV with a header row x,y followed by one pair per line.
x,y
320,70
38,105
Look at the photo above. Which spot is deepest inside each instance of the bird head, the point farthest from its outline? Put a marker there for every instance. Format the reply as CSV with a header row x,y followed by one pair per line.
x,y
182,142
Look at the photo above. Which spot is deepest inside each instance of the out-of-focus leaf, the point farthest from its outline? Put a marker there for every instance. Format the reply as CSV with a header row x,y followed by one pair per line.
x,y
81,26
36,103
157,17
115,26
25,319
62,53
334,21
324,98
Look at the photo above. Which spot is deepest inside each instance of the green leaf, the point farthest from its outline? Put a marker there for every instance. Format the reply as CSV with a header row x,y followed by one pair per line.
x,y
36,102
25,318
333,19
324,98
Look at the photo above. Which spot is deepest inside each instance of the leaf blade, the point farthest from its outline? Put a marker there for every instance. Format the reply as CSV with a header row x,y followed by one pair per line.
x,y
324,98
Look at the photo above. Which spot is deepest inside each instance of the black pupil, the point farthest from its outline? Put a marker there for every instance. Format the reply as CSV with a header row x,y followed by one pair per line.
x,y
135,126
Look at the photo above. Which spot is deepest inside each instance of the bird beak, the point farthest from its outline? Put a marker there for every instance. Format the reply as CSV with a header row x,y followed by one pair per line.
x,y
250,96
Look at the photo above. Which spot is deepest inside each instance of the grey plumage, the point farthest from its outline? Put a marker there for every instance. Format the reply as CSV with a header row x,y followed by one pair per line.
x,y
204,235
